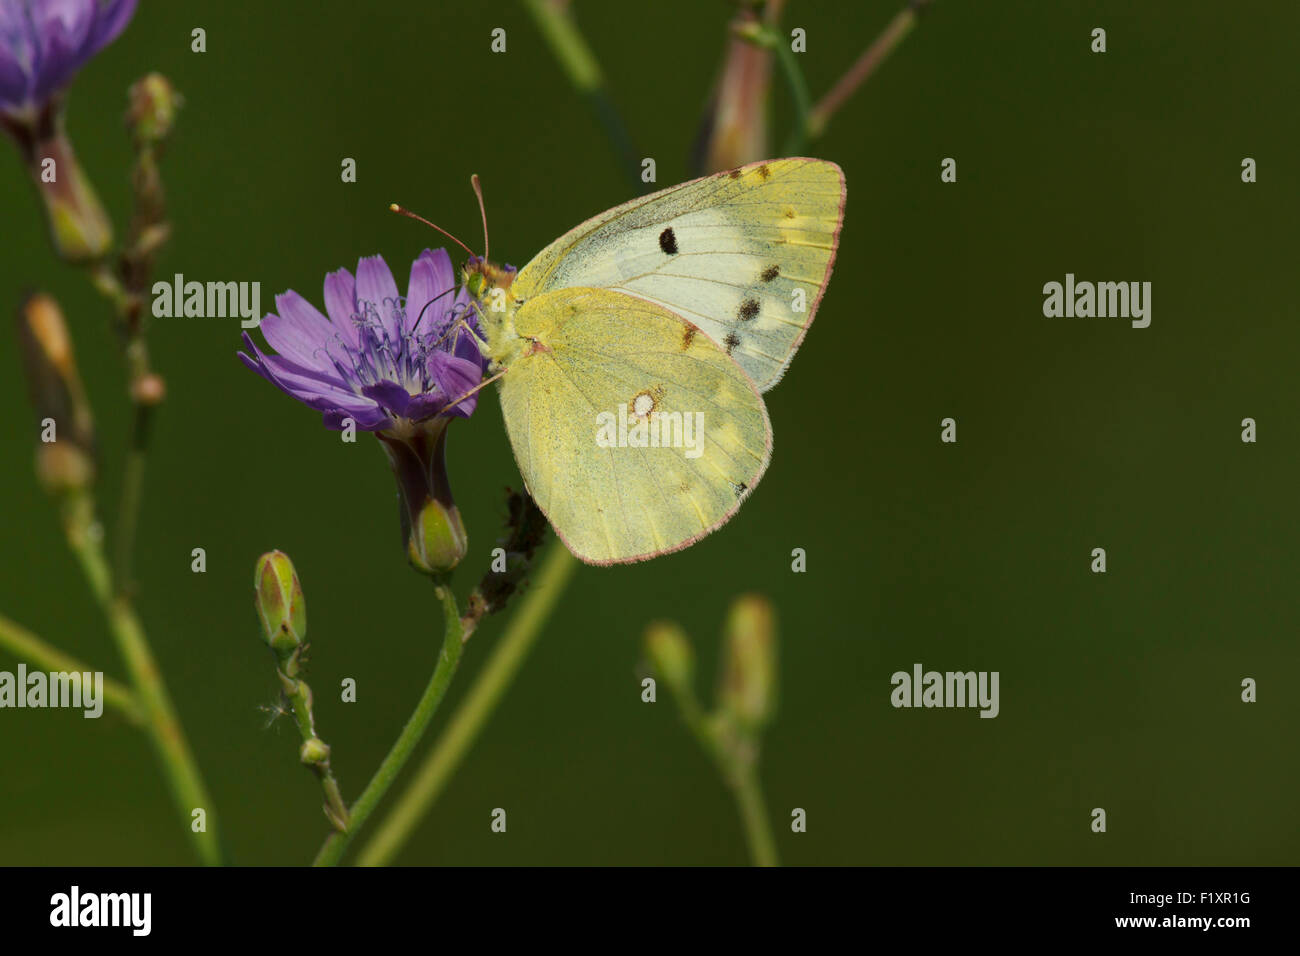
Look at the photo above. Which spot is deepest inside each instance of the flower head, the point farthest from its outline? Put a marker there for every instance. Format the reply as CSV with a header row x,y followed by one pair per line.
x,y
43,43
382,360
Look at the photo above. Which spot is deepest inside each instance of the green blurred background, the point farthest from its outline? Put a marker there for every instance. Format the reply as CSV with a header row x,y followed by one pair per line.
x,y
1119,691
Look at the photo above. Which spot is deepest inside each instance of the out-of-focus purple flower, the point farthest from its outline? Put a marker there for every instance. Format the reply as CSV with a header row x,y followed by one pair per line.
x,y
43,43
378,358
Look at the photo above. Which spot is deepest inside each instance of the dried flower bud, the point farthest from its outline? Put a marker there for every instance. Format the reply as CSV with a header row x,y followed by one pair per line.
x,y
65,457
733,131
747,690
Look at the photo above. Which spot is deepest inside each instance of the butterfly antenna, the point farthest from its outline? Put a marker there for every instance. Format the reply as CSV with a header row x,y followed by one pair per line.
x,y
426,307
401,211
478,191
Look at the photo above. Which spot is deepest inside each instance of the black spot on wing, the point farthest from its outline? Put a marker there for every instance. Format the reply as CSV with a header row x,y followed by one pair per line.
x,y
764,171
731,341
668,241
739,489
748,309
770,273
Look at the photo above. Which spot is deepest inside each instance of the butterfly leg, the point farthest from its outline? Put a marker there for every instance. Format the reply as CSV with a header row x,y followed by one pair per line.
x,y
461,325
473,391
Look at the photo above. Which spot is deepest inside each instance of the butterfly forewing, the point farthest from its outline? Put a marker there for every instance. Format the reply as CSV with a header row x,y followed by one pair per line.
x,y
744,255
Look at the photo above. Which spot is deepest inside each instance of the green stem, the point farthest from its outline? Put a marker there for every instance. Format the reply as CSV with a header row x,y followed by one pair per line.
x,y
799,95
448,660
735,756
27,646
128,517
188,789
464,726
570,49
141,383
753,815
863,67
317,757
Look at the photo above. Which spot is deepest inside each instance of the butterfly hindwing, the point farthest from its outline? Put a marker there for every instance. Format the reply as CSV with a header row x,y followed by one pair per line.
x,y
611,500
745,255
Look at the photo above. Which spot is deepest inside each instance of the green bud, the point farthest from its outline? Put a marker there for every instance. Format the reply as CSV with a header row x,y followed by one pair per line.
x,y
152,107
670,652
747,690
314,752
437,540
433,533
280,603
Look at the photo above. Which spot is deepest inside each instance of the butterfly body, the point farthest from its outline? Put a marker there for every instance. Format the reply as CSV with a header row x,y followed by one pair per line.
x,y
634,349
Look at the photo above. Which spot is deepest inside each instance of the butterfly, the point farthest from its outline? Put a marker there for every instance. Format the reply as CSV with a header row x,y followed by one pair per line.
x,y
632,353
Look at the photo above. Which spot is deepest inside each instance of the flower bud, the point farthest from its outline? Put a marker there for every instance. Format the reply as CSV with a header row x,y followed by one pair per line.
x,y
149,389
432,530
54,385
747,689
437,540
670,652
314,751
280,603
79,228
733,131
152,105
62,468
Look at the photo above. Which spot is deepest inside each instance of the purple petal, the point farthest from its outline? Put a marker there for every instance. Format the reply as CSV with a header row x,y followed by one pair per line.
x,y
309,386
455,377
13,79
390,395
65,32
432,281
113,19
366,415
299,332
341,305
427,405
375,285
369,421
466,347
304,384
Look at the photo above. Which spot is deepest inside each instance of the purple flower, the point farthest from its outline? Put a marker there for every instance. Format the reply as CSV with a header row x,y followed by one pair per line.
x,y
379,359
44,42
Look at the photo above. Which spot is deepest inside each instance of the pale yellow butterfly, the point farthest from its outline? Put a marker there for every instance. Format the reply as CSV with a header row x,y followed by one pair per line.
x,y
632,351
